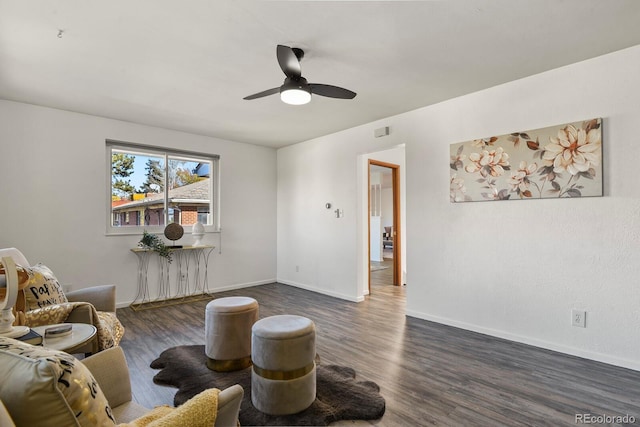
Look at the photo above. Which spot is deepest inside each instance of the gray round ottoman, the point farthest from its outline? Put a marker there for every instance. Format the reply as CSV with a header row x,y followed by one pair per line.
x,y
283,378
227,327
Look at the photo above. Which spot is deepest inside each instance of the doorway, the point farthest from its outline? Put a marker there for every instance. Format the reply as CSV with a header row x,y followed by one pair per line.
x,y
384,220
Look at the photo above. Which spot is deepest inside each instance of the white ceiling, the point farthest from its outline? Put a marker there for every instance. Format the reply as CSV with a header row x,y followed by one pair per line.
x,y
186,65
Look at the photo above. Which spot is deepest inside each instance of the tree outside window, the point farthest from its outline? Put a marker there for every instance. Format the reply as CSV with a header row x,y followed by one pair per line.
x,y
154,188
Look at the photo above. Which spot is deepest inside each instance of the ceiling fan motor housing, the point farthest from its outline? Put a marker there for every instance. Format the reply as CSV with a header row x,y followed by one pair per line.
x,y
299,83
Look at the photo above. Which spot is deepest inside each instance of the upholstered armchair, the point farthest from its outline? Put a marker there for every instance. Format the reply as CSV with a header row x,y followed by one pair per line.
x,y
41,387
95,305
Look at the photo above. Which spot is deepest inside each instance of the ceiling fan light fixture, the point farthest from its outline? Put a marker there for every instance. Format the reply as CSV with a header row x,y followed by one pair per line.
x,y
295,96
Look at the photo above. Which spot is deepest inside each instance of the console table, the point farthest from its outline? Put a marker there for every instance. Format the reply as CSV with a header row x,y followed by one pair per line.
x,y
190,276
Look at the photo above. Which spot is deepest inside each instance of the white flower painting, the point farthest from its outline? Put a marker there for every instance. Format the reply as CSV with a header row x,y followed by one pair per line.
x,y
553,162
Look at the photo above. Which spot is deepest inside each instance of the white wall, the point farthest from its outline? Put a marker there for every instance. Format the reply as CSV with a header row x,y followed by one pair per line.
x,y
375,239
510,269
325,248
53,199
387,207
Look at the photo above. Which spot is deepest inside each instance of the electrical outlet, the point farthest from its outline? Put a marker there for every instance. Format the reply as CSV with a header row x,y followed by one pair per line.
x,y
297,268
579,318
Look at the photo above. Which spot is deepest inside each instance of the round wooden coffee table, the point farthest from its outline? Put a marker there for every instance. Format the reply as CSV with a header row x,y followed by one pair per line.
x,y
81,333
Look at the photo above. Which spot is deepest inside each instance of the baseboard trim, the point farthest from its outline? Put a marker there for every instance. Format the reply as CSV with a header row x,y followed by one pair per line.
x,y
321,291
572,351
266,282
218,289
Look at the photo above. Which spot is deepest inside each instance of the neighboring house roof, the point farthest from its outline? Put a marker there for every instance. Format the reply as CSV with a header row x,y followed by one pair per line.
x,y
193,193
115,203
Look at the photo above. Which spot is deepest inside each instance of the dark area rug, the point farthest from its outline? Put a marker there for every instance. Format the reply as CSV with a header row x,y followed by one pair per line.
x,y
339,396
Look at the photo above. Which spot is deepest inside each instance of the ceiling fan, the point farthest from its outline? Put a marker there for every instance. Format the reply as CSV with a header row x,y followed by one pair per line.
x,y
296,90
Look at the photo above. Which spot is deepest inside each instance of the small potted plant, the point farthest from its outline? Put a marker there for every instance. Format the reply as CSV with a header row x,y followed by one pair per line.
x,y
154,243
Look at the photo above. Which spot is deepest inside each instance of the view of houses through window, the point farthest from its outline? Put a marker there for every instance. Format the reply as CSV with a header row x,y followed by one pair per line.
x,y
155,188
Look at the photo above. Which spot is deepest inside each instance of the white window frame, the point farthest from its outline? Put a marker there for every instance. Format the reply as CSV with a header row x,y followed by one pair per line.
x,y
214,182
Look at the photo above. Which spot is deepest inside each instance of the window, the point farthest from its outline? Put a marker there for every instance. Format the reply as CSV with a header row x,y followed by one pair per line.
x,y
151,187
203,214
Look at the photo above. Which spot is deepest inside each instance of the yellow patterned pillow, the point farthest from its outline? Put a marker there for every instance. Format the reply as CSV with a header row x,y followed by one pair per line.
x,y
42,387
43,288
199,411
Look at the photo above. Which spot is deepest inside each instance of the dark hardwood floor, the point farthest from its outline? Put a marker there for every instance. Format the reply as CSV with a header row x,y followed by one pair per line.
x,y
383,274
428,373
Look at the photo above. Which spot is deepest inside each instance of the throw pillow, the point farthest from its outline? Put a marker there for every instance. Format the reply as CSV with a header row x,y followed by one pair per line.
x,y
42,387
199,411
43,288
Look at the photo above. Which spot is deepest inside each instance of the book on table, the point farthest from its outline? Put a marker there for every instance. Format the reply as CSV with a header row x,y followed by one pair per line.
x,y
31,337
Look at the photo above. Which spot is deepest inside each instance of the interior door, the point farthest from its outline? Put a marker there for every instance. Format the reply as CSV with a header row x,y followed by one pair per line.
x,y
395,185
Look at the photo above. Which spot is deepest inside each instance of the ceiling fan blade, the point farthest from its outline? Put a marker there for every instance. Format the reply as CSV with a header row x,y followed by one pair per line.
x,y
288,61
331,91
263,93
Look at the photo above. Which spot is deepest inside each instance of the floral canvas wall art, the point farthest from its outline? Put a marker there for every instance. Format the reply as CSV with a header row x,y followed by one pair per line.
x,y
553,162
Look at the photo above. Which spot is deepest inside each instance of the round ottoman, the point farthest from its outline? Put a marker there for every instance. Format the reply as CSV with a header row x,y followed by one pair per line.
x,y
283,378
227,329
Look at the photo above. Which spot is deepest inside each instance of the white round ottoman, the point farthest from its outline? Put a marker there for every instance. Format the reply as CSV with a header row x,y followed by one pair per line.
x,y
283,378
227,327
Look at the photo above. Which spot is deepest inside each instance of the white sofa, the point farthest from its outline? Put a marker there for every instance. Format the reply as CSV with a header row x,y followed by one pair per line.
x,y
32,395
